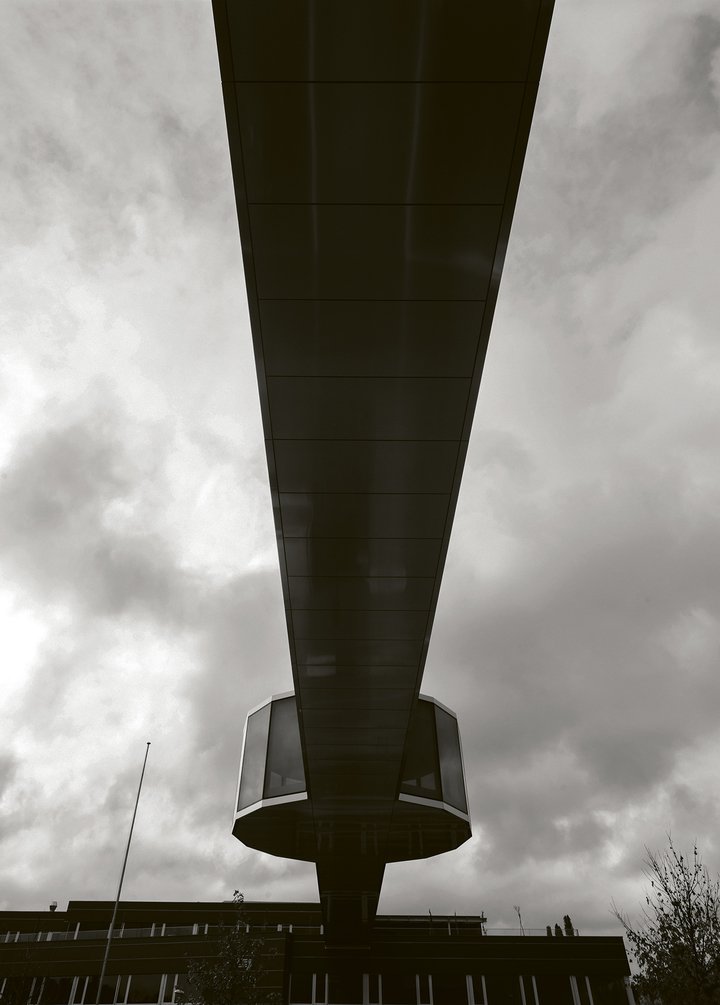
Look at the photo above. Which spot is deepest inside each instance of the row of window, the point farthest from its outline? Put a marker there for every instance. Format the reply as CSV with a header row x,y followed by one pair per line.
x,y
454,989
121,932
125,989
333,989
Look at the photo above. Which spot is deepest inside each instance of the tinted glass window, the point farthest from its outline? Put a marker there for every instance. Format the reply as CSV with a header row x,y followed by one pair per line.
x,y
18,988
608,992
345,989
182,989
450,989
398,989
57,990
451,770
421,776
422,989
505,990
373,988
582,987
253,765
107,990
477,989
321,982
36,991
301,987
554,989
144,988
79,989
284,773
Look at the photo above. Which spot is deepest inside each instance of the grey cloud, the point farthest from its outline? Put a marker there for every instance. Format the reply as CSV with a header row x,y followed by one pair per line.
x,y
214,869
604,182
570,653
59,544
114,140
55,497
8,770
243,659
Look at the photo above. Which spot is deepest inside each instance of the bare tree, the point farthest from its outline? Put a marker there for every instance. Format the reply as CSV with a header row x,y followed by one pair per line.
x,y
677,945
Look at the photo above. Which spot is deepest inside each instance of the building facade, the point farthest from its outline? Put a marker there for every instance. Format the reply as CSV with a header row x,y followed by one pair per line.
x,y
55,958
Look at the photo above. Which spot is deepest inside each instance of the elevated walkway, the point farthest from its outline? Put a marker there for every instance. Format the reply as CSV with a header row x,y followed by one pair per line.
x,y
376,150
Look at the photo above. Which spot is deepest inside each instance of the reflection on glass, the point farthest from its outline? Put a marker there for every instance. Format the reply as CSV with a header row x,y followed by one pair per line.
x,y
420,776
451,770
253,765
284,772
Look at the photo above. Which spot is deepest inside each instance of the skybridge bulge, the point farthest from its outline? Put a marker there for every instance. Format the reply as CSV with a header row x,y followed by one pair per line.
x,y
376,149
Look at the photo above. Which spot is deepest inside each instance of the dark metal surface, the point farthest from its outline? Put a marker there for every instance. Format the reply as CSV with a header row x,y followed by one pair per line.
x,y
376,150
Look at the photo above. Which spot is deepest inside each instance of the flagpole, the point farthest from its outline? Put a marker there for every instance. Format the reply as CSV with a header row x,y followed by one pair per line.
x,y
122,877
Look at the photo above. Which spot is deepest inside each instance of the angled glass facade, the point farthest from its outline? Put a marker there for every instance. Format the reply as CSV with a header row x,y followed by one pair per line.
x,y
433,767
272,756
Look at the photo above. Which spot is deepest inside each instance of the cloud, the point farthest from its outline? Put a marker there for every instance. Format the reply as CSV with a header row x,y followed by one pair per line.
x,y
626,126
55,495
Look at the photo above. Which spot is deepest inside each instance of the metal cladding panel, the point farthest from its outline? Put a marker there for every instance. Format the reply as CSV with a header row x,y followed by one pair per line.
x,y
370,338
364,515
375,252
373,680
365,466
378,408
376,151
370,145
370,558
388,40
366,593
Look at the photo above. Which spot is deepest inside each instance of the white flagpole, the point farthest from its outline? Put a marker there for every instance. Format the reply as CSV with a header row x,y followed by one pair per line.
x,y
122,877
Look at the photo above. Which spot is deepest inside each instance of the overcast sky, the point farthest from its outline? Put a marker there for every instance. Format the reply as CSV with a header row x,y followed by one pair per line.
x,y
578,629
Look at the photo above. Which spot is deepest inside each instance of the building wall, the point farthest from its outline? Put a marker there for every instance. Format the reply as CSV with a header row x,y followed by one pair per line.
x,y
55,958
